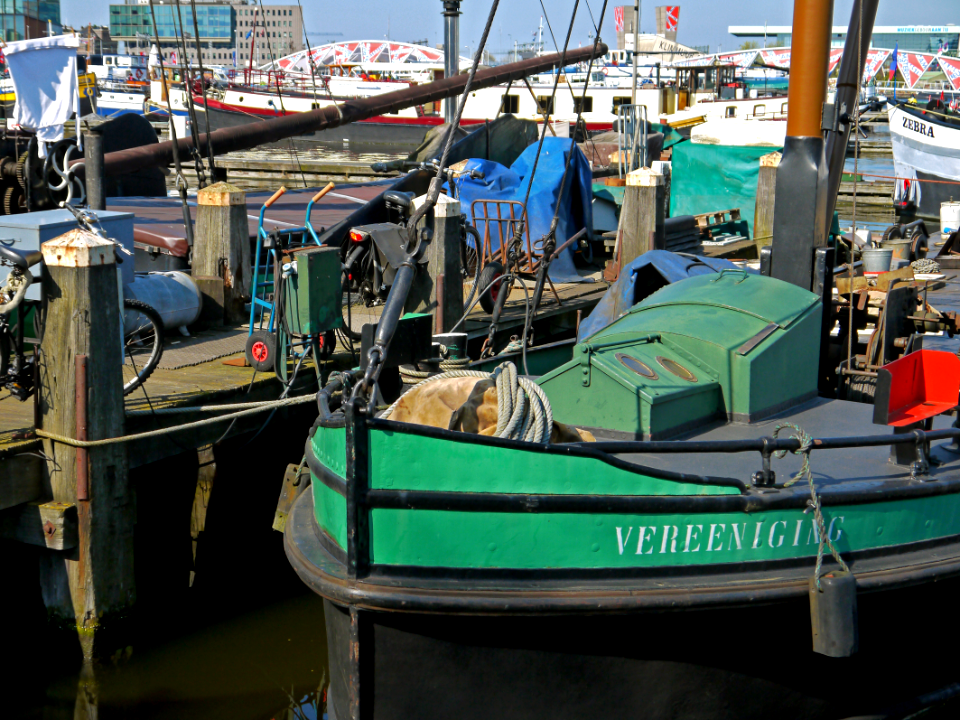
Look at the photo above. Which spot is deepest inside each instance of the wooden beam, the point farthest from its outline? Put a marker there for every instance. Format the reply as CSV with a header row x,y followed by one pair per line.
x,y
52,525
20,480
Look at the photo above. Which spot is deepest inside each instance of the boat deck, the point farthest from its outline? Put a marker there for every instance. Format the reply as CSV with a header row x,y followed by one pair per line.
x,y
820,418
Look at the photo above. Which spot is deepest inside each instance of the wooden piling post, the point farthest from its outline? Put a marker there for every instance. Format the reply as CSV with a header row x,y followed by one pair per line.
x,y
91,585
439,290
642,215
221,253
766,197
665,168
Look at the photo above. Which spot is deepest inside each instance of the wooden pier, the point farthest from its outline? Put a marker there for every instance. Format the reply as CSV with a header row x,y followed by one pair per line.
x,y
294,172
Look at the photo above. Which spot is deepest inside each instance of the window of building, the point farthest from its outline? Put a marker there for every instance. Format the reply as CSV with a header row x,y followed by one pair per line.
x,y
586,102
510,104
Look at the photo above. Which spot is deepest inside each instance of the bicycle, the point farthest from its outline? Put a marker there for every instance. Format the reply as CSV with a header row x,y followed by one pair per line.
x,y
142,324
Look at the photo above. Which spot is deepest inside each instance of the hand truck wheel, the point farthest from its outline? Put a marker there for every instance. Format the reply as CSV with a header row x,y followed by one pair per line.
x,y
261,350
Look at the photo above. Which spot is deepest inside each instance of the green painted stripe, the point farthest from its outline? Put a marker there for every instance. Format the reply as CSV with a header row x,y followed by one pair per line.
x,y
330,508
330,448
415,462
528,540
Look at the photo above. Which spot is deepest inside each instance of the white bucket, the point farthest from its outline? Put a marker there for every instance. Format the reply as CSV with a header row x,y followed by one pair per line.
x,y
949,218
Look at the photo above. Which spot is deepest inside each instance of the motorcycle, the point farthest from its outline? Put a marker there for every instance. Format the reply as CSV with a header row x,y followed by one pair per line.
x,y
376,251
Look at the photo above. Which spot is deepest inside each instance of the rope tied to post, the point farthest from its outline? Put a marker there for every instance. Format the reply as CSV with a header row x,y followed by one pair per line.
x,y
806,446
251,409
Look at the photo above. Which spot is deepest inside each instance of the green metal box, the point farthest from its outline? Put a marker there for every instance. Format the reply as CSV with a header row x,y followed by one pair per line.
x,y
312,294
732,346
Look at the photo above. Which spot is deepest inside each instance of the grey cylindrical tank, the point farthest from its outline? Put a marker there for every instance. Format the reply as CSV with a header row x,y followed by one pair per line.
x,y
173,294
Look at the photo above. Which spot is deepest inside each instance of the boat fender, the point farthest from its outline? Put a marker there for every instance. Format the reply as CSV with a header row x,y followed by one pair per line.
x,y
833,614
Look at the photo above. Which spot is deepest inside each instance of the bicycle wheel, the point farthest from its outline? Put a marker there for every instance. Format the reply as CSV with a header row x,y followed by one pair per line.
x,y
355,313
142,345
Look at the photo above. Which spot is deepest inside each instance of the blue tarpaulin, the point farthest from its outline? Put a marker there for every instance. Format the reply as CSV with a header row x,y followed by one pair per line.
x,y
627,291
501,183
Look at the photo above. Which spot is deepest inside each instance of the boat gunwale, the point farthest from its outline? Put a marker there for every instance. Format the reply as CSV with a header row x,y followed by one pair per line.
x,y
464,591
750,499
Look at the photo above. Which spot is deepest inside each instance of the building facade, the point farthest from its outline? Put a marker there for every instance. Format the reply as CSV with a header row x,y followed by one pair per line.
x,y
26,19
94,40
278,28
226,30
913,38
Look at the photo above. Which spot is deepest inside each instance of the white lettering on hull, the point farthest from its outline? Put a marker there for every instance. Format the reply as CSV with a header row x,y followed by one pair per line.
x,y
719,537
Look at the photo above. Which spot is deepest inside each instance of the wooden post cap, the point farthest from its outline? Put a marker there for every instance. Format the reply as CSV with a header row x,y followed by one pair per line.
x,y
446,206
770,160
221,194
78,248
644,177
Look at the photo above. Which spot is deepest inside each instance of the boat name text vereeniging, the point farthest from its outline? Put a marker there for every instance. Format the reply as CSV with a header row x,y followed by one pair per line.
x,y
738,537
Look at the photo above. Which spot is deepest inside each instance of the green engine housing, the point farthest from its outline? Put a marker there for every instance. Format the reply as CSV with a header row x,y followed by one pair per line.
x,y
733,346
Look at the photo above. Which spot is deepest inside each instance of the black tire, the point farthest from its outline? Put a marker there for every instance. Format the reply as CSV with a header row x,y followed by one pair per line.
x,y
326,344
488,276
354,309
261,350
891,233
143,346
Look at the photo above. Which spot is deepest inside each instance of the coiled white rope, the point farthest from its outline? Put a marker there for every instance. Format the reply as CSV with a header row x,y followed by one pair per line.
x,y
523,410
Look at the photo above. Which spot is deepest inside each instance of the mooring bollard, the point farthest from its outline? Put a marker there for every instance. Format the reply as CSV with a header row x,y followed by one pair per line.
x,y
642,215
81,396
221,253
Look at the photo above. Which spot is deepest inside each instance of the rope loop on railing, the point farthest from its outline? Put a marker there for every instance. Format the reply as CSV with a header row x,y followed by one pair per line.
x,y
806,445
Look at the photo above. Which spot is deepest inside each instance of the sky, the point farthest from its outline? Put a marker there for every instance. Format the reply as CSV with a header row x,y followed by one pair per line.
x,y
702,22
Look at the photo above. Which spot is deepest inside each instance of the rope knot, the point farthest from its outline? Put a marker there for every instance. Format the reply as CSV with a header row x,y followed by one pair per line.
x,y
806,445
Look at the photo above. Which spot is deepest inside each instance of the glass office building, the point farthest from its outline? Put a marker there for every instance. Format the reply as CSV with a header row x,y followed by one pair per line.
x,y
912,38
216,22
25,19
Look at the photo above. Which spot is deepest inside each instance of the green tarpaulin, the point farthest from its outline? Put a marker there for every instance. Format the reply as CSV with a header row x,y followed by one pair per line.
x,y
710,178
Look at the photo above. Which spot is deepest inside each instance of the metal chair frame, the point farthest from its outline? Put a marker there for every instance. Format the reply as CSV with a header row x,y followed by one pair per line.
x,y
504,221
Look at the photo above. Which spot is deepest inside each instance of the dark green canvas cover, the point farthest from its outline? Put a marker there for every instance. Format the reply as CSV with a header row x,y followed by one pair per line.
x,y
708,178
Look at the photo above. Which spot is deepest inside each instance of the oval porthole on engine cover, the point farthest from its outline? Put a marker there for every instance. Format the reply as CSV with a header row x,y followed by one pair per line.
x,y
640,368
676,368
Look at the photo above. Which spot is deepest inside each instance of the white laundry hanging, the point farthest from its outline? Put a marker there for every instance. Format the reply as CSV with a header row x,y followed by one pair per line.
x,y
44,74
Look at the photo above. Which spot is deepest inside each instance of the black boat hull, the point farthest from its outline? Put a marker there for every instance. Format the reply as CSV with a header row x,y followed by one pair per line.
x,y
744,656
934,194
736,663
